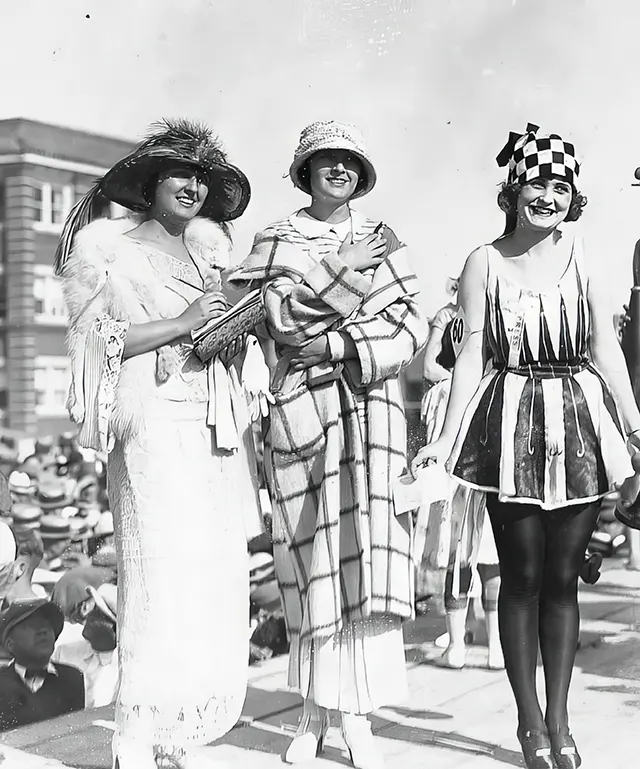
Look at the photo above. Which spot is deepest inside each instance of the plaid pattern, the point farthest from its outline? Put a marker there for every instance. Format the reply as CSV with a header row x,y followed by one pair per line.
x,y
333,451
531,157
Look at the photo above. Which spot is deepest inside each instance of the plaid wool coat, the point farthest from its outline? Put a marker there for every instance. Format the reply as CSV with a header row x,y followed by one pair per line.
x,y
333,450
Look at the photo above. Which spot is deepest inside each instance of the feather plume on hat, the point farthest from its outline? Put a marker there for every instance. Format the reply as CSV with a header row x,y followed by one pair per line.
x,y
172,142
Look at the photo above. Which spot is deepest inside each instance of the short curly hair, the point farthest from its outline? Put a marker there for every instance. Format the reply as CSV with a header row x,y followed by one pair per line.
x,y
508,201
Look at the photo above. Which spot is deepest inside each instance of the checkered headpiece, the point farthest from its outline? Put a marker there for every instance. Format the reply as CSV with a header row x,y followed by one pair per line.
x,y
530,157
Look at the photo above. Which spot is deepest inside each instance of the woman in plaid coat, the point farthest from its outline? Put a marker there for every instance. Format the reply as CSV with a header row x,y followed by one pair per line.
x,y
342,322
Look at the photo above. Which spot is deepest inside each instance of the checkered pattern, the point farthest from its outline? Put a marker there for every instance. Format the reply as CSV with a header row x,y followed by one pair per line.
x,y
531,157
333,452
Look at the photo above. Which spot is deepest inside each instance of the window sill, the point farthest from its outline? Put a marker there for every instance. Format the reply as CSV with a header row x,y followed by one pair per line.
x,y
51,411
51,229
51,320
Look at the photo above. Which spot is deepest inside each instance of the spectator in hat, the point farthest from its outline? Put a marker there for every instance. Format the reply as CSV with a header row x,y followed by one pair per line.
x,y
25,518
56,536
32,688
5,495
70,593
19,579
8,551
95,654
103,533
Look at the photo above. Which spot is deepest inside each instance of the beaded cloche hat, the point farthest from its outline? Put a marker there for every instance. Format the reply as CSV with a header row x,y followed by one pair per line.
x,y
173,142
332,135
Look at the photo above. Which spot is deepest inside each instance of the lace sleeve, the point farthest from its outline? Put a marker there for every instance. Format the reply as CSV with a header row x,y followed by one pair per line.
x,y
95,379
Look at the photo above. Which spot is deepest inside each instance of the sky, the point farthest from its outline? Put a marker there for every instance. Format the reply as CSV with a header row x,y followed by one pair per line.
x,y
435,85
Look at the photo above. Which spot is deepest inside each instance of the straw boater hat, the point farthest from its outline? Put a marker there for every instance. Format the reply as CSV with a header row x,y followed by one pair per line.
x,y
331,135
26,516
54,528
106,599
174,142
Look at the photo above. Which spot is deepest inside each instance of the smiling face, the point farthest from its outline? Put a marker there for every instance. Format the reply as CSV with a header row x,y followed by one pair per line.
x,y
543,203
31,642
180,193
334,175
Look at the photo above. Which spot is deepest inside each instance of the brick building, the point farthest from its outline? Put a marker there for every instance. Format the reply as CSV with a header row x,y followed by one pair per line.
x,y
44,169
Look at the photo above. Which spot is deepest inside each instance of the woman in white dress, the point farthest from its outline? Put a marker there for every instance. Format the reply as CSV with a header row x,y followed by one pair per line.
x,y
180,475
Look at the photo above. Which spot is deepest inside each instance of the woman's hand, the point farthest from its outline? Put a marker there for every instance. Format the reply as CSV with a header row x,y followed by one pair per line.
x,y
366,253
437,452
623,321
436,373
211,305
316,351
233,350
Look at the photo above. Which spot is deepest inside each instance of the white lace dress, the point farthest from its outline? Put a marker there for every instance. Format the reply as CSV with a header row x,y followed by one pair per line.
x,y
180,508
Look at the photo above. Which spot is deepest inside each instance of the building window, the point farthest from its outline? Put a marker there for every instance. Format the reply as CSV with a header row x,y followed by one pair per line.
x,y
52,379
52,204
49,300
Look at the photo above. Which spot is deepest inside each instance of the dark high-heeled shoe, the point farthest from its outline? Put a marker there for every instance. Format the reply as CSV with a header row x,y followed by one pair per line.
x,y
536,749
564,751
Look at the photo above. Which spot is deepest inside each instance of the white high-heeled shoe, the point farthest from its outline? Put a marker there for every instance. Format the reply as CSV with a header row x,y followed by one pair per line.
x,y
360,742
308,742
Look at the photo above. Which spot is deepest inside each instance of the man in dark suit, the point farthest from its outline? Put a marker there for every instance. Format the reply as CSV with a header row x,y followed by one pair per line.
x,y
32,688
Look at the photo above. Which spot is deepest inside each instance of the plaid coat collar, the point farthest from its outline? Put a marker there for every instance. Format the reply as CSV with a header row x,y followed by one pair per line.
x,y
314,228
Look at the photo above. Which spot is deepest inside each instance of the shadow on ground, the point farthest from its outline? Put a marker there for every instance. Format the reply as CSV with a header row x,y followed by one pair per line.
x,y
269,720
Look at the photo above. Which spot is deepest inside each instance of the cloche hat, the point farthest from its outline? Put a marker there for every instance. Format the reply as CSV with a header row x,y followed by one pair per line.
x,y
332,135
174,142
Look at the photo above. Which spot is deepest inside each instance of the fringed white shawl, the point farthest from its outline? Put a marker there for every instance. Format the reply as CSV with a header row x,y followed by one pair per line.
x,y
108,284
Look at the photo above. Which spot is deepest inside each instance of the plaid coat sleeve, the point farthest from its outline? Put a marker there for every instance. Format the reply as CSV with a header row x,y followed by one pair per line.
x,y
389,340
299,312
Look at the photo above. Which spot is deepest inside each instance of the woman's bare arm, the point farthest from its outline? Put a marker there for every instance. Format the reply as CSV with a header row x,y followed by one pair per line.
x,y
608,356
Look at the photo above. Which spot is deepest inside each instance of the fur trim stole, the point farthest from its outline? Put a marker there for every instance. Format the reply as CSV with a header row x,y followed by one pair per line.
x,y
106,276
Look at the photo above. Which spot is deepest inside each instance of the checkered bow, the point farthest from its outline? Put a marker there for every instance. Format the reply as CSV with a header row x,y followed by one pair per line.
x,y
529,157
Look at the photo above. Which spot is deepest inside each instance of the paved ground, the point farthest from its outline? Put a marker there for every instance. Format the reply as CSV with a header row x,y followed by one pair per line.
x,y
453,719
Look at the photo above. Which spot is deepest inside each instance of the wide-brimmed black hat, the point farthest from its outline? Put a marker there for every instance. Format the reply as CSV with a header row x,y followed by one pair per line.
x,y
18,611
174,142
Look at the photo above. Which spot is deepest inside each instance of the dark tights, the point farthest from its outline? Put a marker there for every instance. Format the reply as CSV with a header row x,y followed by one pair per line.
x,y
540,554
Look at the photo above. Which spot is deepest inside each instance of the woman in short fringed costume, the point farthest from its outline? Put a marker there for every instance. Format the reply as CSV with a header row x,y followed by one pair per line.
x,y
343,319
179,469
542,418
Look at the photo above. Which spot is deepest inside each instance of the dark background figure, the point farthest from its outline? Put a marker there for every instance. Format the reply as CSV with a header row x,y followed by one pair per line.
x,y
32,688
630,341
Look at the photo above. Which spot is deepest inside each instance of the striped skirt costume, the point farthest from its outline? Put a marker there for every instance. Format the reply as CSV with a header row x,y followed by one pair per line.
x,y
543,427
